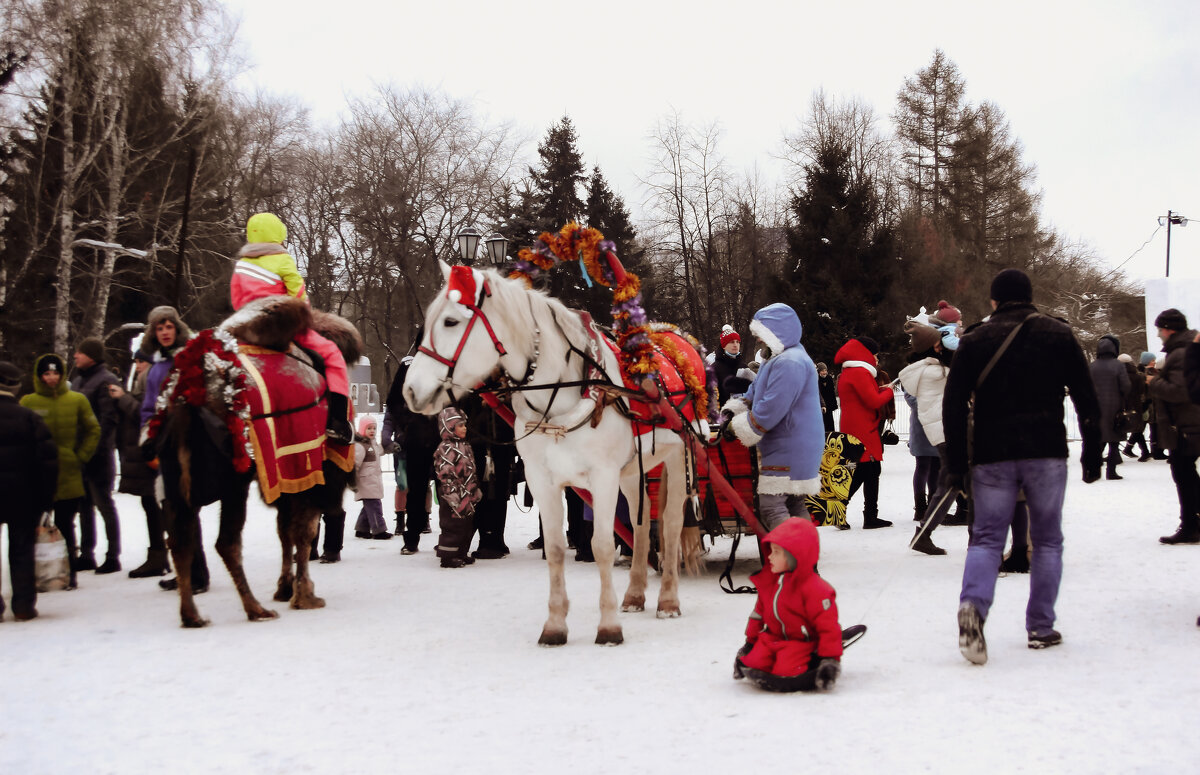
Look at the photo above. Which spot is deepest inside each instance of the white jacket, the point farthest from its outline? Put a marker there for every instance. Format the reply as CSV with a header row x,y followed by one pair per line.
x,y
925,380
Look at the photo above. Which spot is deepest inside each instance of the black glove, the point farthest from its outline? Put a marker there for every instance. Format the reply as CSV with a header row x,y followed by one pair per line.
x,y
827,674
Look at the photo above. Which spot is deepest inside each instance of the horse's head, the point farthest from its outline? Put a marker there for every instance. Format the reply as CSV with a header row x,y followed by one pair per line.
x,y
462,343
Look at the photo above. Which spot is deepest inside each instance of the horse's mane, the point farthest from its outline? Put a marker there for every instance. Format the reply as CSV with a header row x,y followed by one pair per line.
x,y
514,298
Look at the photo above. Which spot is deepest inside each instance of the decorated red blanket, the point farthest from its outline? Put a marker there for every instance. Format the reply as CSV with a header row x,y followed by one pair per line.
x,y
287,428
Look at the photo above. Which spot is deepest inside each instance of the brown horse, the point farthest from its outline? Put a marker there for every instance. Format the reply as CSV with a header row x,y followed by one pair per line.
x,y
202,461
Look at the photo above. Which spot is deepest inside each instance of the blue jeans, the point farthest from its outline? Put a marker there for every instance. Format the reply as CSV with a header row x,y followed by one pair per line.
x,y
994,487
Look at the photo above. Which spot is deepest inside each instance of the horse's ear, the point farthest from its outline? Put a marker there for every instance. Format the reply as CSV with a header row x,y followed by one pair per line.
x,y
445,270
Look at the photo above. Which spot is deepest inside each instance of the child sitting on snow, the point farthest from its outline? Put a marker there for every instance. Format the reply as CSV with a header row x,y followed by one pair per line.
x,y
457,488
793,640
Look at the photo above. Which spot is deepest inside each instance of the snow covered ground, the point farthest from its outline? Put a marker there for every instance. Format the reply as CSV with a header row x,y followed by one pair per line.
x,y
412,668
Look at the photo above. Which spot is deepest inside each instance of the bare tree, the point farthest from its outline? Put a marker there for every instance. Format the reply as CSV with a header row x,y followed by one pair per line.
x,y
691,207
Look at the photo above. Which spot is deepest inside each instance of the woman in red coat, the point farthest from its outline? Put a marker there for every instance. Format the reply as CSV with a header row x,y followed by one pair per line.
x,y
863,399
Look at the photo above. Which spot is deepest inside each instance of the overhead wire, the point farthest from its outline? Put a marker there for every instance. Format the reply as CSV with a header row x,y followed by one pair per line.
x,y
1134,253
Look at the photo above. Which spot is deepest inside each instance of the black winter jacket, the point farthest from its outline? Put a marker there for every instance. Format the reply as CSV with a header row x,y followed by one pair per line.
x,y
413,433
137,477
28,460
1019,407
724,367
1174,410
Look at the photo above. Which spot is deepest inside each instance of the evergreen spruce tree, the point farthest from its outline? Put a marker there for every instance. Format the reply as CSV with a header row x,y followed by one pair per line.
x,y
842,268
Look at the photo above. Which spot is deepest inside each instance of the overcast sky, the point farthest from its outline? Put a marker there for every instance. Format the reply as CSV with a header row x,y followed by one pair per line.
x,y
1103,95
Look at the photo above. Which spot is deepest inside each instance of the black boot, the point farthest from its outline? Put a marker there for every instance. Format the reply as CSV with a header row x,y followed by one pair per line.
x,y
1184,535
337,427
155,565
399,523
110,565
1017,561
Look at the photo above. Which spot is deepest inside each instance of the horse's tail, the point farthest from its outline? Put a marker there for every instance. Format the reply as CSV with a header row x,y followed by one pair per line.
x,y
691,544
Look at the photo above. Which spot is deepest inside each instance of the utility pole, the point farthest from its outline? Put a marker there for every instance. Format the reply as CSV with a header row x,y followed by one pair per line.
x,y
1171,218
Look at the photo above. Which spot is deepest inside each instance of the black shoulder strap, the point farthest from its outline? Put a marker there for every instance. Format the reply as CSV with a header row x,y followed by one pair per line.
x,y
1004,346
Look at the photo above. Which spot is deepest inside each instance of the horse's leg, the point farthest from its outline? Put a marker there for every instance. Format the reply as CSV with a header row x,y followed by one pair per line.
x,y
305,517
604,506
229,546
550,507
283,590
670,528
634,488
181,522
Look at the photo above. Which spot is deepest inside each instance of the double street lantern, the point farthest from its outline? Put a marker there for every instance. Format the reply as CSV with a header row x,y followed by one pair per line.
x,y
497,249
468,244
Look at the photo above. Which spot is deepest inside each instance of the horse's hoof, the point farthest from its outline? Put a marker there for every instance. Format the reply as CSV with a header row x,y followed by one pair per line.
x,y
549,638
633,603
263,615
609,637
283,593
309,603
667,612
195,624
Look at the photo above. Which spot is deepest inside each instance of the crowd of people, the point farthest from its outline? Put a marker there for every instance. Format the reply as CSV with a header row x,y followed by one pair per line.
x,y
987,433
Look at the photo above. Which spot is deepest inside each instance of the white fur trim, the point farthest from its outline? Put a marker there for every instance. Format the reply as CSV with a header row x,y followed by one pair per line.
x,y
860,365
782,485
767,336
743,431
736,406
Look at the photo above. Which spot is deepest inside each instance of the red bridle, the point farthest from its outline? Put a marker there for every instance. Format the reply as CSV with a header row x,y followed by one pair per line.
x,y
477,313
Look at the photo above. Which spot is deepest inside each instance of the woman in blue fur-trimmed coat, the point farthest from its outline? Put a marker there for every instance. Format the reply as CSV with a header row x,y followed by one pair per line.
x,y
781,415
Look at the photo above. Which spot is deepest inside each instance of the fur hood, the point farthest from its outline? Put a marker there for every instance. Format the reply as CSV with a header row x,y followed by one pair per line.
x,y
778,326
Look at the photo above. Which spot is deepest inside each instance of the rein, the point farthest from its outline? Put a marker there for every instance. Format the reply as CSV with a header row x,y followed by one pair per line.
x,y
477,313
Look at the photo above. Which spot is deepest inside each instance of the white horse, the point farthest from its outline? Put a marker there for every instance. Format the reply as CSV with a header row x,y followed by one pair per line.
x,y
502,328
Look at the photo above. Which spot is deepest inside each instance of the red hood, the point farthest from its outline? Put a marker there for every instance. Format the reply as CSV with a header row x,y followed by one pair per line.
x,y
854,351
799,537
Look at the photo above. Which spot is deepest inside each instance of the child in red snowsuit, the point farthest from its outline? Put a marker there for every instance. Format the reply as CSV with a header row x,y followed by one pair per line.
x,y
793,632
264,268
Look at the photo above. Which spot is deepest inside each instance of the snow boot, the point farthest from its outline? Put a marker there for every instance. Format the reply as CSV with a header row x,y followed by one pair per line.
x,y
970,634
874,523
1184,535
1044,639
85,562
924,544
110,565
337,427
1128,450
399,523
155,565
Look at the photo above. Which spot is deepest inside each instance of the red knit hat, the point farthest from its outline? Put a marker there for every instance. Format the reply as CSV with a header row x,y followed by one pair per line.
x,y
947,313
728,335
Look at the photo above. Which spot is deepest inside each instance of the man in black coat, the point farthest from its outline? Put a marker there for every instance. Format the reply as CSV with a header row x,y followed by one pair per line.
x,y
28,477
418,438
1019,443
92,379
1178,420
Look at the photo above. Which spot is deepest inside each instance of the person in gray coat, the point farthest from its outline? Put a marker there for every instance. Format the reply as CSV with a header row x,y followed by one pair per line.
x,y
1112,386
1178,420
